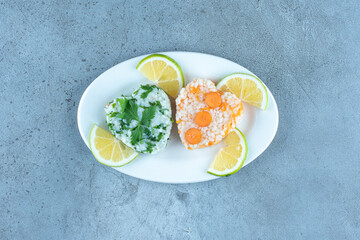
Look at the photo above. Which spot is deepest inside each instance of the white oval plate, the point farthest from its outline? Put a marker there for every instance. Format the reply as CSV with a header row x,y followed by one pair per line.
x,y
175,164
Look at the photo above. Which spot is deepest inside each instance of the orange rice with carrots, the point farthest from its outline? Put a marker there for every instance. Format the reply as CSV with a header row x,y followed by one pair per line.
x,y
205,115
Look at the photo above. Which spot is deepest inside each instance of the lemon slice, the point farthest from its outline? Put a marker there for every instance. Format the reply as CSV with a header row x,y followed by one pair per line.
x,y
230,158
247,87
108,150
163,71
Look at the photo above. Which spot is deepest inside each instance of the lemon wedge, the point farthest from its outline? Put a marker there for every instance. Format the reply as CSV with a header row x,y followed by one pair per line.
x,y
109,150
164,72
247,87
230,158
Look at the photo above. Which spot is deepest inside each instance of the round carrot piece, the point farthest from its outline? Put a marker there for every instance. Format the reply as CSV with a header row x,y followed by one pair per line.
x,y
193,136
203,119
213,99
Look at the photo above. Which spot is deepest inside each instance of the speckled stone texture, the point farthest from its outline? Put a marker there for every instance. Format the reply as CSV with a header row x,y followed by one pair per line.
x,y
306,185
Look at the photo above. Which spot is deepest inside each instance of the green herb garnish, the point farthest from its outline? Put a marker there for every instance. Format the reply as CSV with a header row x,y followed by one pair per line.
x,y
149,147
159,126
123,102
147,132
136,135
159,137
147,115
163,111
148,89
111,126
157,103
113,114
131,111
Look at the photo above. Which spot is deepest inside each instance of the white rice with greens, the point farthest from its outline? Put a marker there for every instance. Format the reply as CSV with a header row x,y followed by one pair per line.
x,y
143,120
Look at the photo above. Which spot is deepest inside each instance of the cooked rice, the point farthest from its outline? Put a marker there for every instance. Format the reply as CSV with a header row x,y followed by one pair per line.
x,y
191,100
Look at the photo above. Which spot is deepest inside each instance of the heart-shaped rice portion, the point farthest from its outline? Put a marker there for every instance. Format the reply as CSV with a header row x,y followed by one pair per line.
x,y
202,123
143,120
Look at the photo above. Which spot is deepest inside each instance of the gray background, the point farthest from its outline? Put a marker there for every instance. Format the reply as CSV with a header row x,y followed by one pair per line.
x,y
304,186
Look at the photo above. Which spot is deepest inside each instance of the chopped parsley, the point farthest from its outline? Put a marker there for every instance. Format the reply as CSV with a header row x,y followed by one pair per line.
x,y
150,147
111,126
133,117
163,111
136,91
137,135
148,89
159,126
113,114
147,115
131,111
123,103
159,136
157,103
147,132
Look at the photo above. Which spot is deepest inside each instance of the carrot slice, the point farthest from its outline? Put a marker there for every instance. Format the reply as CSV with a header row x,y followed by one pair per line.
x,y
193,136
203,119
213,99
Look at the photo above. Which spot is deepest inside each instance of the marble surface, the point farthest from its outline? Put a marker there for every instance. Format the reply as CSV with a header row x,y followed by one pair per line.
x,y
306,185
